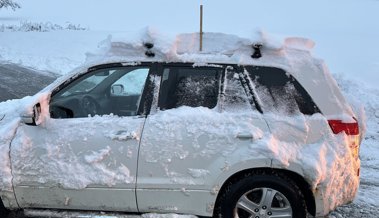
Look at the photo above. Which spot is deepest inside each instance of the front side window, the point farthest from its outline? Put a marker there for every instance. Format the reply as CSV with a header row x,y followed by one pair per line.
x,y
188,86
279,92
134,80
116,91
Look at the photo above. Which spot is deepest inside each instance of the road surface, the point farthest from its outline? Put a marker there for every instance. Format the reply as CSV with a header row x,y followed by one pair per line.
x,y
17,82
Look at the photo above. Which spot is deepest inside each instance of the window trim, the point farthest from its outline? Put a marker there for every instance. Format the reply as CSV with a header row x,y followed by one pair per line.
x,y
296,84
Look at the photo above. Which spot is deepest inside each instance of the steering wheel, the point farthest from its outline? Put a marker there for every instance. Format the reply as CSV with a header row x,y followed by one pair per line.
x,y
90,106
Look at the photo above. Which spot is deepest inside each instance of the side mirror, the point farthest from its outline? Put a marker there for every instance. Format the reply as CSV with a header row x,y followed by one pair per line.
x,y
117,89
33,119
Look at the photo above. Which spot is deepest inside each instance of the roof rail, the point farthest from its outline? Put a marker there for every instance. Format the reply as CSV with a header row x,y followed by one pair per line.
x,y
103,66
257,51
149,53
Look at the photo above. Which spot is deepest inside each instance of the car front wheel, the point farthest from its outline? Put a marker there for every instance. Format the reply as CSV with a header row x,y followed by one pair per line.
x,y
261,195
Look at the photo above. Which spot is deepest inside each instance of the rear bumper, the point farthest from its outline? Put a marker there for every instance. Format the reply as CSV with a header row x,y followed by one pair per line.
x,y
329,198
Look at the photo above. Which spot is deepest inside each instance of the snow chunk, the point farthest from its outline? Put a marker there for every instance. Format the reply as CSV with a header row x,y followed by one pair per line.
x,y
122,135
299,43
197,173
99,156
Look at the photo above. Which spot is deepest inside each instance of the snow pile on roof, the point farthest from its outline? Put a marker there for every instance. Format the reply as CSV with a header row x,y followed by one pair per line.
x,y
217,47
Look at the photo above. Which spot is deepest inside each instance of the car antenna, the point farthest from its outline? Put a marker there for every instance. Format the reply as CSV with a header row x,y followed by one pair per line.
x,y
201,26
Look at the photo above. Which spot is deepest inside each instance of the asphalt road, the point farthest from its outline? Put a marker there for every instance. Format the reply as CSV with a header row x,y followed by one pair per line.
x,y
17,82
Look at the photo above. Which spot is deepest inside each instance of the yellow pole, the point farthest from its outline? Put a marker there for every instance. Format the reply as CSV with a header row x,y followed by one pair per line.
x,y
201,27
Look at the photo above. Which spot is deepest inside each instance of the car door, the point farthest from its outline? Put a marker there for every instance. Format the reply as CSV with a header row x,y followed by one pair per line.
x,y
84,156
194,139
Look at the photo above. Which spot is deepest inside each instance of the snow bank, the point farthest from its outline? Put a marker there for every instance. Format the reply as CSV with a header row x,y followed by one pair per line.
x,y
365,99
56,52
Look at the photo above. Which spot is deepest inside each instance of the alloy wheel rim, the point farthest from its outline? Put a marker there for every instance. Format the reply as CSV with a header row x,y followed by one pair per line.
x,y
263,203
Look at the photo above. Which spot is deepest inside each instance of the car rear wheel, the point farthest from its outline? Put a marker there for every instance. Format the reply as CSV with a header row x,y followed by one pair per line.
x,y
264,195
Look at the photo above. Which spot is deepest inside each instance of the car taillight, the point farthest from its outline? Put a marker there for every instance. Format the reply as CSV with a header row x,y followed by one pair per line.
x,y
338,126
351,130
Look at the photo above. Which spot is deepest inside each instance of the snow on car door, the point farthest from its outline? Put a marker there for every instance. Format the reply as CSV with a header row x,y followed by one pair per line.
x,y
77,161
193,139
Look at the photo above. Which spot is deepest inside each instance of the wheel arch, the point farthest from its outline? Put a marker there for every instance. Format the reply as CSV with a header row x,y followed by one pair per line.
x,y
295,177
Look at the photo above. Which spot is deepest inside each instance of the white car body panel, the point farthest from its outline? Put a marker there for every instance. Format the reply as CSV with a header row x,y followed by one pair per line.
x,y
191,164
108,145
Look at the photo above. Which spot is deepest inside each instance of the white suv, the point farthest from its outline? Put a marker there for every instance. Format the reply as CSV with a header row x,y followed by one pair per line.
x,y
270,136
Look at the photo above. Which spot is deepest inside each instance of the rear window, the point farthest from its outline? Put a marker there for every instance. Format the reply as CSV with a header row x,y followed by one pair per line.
x,y
279,92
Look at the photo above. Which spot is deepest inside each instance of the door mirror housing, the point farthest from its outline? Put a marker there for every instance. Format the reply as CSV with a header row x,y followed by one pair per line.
x,y
117,90
34,118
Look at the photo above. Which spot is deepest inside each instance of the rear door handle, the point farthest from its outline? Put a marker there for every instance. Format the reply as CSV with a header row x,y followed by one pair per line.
x,y
245,136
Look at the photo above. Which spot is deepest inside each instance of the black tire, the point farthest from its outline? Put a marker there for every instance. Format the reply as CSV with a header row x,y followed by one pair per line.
x,y
286,196
3,211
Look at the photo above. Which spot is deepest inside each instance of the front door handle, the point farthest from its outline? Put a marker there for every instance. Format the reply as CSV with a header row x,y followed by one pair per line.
x,y
245,136
122,135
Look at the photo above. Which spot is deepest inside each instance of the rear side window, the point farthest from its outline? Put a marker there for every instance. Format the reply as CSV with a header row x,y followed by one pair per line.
x,y
188,86
234,94
279,92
